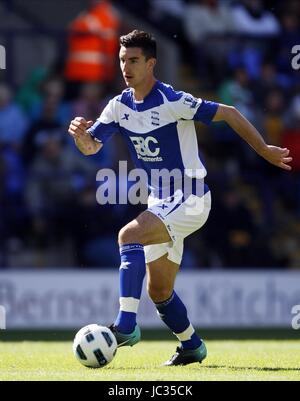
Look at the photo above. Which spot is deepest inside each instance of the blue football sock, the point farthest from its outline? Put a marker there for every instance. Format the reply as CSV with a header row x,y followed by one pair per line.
x,y
174,314
132,273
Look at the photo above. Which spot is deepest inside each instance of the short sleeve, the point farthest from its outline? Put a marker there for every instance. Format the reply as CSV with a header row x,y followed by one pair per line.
x,y
106,125
189,107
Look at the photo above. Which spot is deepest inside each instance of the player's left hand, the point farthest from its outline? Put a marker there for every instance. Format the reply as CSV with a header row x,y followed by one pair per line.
x,y
278,156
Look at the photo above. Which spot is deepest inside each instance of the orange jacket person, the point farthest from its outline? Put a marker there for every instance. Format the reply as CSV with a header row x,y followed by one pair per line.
x,y
93,45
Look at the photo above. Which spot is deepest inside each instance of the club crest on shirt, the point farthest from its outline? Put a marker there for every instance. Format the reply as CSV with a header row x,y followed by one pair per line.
x,y
155,118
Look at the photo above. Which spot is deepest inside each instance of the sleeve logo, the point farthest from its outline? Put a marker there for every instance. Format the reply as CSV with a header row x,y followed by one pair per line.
x,y
191,102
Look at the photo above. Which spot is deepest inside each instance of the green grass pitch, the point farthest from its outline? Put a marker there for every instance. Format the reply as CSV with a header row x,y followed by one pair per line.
x,y
235,359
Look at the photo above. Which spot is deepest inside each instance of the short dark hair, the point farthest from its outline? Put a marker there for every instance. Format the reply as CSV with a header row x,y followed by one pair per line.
x,y
141,39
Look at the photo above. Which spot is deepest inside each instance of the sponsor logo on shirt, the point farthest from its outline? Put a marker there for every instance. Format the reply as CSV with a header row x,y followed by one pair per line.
x,y
147,149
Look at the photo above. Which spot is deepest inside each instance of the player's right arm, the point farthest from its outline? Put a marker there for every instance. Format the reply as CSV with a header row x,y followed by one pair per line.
x,y
82,138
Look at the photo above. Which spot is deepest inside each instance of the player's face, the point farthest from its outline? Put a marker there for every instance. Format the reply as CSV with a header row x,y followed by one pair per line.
x,y
134,66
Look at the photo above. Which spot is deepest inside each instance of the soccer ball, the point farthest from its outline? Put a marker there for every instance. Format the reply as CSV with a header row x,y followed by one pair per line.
x,y
94,346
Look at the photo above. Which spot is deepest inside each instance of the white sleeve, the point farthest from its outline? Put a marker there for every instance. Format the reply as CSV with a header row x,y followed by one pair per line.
x,y
188,107
106,125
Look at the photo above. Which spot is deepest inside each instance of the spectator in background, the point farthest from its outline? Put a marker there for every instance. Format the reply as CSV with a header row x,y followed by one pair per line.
x,y
169,9
49,114
207,24
93,229
291,136
13,122
268,80
90,102
139,9
235,226
237,92
31,143
30,92
239,231
51,105
256,28
57,174
285,241
205,19
93,46
3,225
168,16
273,116
251,19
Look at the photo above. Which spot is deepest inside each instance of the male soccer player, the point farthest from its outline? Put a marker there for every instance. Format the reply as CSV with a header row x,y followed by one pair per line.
x,y
158,124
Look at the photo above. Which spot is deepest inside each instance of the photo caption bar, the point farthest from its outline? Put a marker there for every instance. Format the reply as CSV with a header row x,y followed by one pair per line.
x,y
149,390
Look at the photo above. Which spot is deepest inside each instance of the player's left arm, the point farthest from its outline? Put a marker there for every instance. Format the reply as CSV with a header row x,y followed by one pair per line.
x,y
273,154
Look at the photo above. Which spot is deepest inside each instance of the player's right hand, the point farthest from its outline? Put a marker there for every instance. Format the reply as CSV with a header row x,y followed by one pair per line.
x,y
78,127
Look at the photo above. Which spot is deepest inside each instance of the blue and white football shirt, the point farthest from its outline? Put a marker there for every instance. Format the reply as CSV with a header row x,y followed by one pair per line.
x,y
159,130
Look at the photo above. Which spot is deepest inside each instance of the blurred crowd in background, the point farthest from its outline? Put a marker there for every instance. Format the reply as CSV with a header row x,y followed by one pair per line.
x,y
238,53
